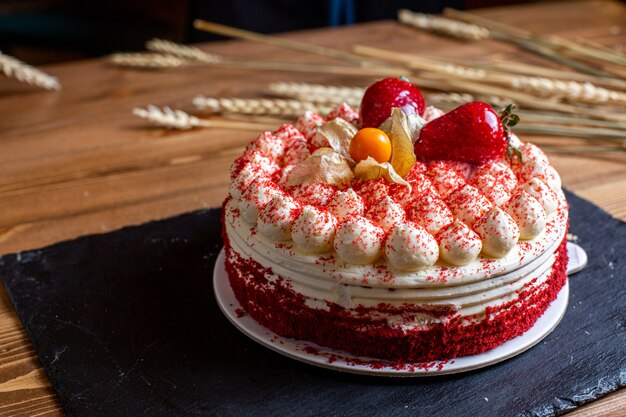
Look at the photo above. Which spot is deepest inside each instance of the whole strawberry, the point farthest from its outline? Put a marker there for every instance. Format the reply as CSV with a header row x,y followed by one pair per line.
x,y
386,94
470,133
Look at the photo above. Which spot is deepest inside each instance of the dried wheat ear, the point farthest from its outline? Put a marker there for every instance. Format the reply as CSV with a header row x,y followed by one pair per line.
x,y
14,68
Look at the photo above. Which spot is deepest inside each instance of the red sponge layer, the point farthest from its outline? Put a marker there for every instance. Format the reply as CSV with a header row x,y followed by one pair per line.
x,y
276,306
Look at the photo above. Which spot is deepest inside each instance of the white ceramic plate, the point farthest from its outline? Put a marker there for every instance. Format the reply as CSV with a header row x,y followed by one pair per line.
x,y
342,361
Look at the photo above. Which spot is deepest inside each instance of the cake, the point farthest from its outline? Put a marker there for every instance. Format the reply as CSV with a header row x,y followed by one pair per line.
x,y
441,237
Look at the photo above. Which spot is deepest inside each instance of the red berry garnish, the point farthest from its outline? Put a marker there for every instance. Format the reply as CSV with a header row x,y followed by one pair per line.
x,y
381,97
470,133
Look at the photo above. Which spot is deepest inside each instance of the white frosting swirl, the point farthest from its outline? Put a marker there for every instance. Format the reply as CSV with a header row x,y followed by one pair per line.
x,y
458,244
409,247
284,175
468,204
308,123
314,230
296,152
257,160
528,213
498,232
358,241
445,178
543,194
269,144
277,217
346,203
431,212
260,192
386,213
536,165
246,176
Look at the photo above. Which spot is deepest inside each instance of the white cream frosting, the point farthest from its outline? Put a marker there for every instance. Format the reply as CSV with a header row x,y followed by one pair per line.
x,y
358,241
498,232
277,217
314,230
269,144
410,247
445,177
332,269
260,192
468,204
346,203
296,152
386,213
258,161
543,194
458,244
431,213
528,213
246,176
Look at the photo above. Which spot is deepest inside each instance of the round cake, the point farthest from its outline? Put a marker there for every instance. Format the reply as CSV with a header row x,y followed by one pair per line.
x,y
399,232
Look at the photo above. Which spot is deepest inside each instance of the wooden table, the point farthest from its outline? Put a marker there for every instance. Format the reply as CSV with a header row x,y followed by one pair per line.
x,y
77,162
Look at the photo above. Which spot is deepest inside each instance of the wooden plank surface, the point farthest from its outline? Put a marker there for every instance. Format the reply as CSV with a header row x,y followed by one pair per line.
x,y
77,162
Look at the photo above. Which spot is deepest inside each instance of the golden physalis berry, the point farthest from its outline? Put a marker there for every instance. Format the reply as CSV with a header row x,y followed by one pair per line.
x,y
372,142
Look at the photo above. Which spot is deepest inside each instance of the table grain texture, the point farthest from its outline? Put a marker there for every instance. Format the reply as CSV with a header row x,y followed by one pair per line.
x,y
77,162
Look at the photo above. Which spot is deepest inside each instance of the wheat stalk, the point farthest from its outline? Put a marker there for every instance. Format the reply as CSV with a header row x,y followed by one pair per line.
x,y
569,90
178,119
442,25
442,99
147,60
318,93
14,68
191,53
274,107
167,117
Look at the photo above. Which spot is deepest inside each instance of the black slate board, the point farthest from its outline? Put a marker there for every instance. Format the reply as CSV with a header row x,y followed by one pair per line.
x,y
126,324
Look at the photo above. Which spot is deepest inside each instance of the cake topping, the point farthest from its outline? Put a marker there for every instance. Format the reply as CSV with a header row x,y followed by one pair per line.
x,y
471,133
283,179
498,232
370,141
358,241
494,180
278,216
345,204
308,123
324,166
288,133
409,247
528,213
468,204
386,213
431,212
345,112
268,144
372,191
246,176
314,230
548,199
386,94
445,177
431,113
421,186
257,160
296,152
317,194
458,244
256,197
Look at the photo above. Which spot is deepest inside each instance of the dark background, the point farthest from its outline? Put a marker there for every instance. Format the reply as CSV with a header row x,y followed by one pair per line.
x,y
46,31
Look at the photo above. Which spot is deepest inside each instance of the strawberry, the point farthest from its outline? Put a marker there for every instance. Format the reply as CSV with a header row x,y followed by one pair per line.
x,y
386,94
470,133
